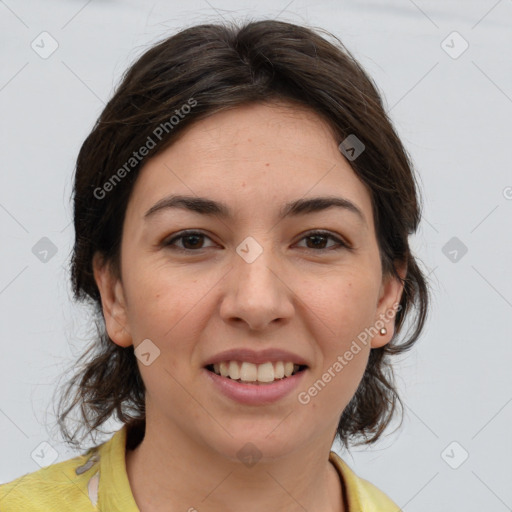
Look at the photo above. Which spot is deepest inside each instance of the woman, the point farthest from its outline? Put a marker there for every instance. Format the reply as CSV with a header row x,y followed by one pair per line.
x,y
242,211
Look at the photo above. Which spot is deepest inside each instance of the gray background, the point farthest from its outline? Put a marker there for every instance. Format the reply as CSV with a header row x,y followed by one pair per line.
x,y
453,113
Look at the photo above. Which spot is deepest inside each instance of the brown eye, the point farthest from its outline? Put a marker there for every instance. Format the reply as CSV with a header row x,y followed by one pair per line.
x,y
190,241
318,239
193,241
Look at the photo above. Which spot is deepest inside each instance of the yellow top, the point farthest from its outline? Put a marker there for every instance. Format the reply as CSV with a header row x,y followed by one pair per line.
x,y
97,481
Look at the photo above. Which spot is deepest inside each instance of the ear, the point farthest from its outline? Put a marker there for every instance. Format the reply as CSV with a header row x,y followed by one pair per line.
x,y
389,299
112,302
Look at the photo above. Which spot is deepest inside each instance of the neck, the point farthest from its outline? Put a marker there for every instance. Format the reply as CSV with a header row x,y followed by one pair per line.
x,y
174,470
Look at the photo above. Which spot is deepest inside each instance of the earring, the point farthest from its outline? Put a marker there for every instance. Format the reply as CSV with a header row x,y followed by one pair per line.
x,y
383,331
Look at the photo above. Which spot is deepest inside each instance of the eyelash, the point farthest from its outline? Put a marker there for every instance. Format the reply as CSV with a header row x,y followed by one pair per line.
x,y
325,234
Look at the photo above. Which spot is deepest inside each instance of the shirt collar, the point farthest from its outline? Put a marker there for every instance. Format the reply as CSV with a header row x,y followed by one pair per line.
x,y
116,495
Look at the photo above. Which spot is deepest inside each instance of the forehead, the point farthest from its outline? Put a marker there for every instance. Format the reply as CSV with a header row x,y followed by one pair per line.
x,y
252,130
255,157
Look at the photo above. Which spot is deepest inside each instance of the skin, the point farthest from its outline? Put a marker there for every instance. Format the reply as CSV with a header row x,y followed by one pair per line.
x,y
294,296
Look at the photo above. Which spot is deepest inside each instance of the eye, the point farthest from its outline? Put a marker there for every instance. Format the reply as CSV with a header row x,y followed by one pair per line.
x,y
193,241
190,238
319,238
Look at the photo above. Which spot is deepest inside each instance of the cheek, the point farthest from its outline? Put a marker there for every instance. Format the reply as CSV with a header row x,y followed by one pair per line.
x,y
164,307
164,303
343,304
352,310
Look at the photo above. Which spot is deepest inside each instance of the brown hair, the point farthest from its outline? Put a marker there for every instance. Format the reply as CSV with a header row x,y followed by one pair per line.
x,y
212,68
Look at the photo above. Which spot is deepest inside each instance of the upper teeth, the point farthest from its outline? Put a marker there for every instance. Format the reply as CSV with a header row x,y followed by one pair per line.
x,y
250,372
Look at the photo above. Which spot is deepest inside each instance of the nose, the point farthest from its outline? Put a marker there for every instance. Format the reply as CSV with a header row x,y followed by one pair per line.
x,y
257,293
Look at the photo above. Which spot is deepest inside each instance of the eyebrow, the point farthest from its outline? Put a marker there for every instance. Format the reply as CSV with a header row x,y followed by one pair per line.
x,y
209,207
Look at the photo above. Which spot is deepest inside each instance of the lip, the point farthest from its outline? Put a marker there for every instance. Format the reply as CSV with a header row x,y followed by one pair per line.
x,y
256,357
254,394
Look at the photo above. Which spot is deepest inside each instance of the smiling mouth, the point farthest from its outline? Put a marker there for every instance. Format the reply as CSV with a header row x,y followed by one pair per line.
x,y
249,373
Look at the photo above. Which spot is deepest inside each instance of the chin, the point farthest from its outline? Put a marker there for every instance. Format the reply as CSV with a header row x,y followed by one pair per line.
x,y
262,441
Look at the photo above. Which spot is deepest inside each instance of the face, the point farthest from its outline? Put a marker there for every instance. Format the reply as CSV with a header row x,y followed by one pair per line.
x,y
249,279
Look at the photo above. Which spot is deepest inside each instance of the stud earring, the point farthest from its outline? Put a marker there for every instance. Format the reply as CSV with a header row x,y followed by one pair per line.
x,y
383,331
